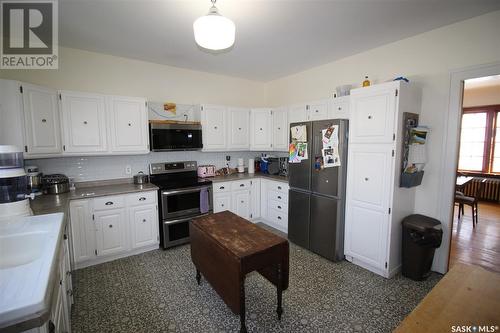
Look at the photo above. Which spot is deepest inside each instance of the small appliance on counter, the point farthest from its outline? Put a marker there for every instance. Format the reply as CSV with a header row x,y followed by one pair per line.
x,y
207,170
251,165
283,166
241,165
55,184
14,198
141,178
270,165
34,179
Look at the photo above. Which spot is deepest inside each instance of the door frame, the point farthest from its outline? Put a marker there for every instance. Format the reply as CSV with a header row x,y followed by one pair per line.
x,y
449,162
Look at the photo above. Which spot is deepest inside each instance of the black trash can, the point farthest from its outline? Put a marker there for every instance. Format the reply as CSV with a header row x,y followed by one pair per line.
x,y
421,236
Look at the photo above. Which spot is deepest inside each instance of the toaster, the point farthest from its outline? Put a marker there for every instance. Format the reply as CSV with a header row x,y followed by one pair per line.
x,y
206,171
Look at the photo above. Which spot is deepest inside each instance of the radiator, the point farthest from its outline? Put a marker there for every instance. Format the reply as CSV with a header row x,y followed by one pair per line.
x,y
491,190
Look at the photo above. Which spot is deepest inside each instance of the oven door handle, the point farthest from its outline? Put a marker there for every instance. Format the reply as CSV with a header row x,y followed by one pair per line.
x,y
189,190
183,220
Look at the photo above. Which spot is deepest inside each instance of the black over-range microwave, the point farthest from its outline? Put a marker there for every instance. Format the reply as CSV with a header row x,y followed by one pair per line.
x,y
178,136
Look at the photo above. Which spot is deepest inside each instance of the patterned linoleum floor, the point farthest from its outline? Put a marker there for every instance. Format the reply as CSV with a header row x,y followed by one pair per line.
x,y
157,292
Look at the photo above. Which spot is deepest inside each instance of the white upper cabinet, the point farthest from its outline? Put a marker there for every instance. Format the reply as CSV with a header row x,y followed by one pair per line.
x,y
42,123
280,129
297,113
11,114
318,110
129,124
373,111
238,129
338,108
213,121
261,121
84,122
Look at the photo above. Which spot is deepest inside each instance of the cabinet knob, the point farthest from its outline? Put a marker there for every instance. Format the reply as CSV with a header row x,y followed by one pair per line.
x,y
222,205
129,124
109,203
85,122
316,111
366,179
143,220
242,201
239,128
241,185
279,217
111,226
44,120
279,187
279,207
339,108
279,196
279,128
369,117
215,127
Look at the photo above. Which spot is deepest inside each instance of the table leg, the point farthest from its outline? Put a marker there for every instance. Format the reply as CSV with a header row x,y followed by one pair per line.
x,y
198,276
279,292
243,326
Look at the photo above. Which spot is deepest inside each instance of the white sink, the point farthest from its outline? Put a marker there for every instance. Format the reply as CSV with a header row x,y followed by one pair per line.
x,y
28,258
21,249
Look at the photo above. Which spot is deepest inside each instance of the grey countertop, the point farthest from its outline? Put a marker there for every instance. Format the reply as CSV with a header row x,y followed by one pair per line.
x,y
240,176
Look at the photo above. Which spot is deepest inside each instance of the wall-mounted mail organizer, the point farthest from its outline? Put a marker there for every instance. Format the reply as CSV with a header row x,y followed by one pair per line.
x,y
414,154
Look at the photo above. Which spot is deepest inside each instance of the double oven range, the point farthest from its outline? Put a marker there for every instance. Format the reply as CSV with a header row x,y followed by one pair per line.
x,y
182,196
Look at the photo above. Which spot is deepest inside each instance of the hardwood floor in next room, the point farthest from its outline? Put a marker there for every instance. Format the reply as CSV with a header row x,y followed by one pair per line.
x,y
479,245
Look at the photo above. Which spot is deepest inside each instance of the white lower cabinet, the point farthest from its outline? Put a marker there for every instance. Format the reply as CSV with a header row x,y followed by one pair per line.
x,y
107,228
241,197
241,203
274,204
222,202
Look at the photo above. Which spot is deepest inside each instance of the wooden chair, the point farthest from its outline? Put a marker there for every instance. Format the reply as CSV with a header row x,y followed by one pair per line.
x,y
462,200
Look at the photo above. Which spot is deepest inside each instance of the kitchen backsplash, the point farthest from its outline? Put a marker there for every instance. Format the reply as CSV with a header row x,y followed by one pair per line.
x,y
111,167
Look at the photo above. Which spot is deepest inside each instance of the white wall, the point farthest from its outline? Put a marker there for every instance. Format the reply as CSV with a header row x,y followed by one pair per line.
x,y
481,96
94,72
426,60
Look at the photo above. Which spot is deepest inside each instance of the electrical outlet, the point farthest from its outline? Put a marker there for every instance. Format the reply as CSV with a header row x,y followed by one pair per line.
x,y
128,170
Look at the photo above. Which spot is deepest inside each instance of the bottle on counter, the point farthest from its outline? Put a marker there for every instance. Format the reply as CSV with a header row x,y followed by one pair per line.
x,y
366,82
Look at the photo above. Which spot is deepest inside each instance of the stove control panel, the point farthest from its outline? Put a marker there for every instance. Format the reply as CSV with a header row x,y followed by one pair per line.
x,y
172,167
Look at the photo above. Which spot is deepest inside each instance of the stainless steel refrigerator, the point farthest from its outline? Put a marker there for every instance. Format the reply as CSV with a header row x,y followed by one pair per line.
x,y
316,206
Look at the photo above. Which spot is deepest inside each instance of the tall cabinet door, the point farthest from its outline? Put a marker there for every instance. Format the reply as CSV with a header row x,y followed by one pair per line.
x,y
373,113
213,121
280,129
241,204
369,182
42,122
129,124
239,128
261,121
82,231
84,122
110,231
144,226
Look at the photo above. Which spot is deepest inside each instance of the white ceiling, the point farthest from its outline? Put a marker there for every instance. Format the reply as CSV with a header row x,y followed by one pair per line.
x,y
273,38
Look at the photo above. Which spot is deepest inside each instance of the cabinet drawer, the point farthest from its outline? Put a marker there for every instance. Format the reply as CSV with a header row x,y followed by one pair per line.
x,y
142,198
278,186
279,206
278,196
115,201
240,185
222,187
278,217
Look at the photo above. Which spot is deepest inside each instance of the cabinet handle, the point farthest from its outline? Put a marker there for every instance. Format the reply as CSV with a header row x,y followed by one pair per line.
x,y
370,117
44,120
316,111
221,188
111,226
143,220
241,185
52,327
279,196
109,203
68,273
279,217
129,124
85,122
279,207
366,179
279,187
69,292
142,199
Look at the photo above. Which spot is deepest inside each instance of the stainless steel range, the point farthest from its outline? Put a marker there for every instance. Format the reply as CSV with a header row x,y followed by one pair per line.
x,y
182,197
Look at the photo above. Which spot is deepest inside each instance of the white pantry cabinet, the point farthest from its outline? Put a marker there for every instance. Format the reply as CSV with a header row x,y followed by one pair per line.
x,y
128,124
111,227
375,204
41,120
261,126
280,129
213,121
84,122
238,128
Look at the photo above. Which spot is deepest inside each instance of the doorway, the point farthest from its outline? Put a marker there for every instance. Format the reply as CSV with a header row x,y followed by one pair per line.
x,y
475,232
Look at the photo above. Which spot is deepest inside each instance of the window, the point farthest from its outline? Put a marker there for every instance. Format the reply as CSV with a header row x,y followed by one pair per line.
x,y
479,144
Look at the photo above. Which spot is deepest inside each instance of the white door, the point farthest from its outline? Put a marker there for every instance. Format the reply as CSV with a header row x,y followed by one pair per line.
x,y
369,184
297,113
255,198
110,231
129,124
373,113
11,114
261,122
280,129
82,231
42,121
338,108
144,226
238,129
84,122
222,202
241,204
318,110
213,121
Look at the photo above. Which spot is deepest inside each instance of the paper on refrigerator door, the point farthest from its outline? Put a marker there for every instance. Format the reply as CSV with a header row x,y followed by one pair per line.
x,y
297,152
330,151
299,133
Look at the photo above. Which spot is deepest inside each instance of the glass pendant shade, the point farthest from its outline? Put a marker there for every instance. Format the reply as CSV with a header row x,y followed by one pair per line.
x,y
214,31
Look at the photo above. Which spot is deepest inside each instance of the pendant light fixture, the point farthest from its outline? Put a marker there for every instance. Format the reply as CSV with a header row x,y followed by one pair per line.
x,y
214,31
